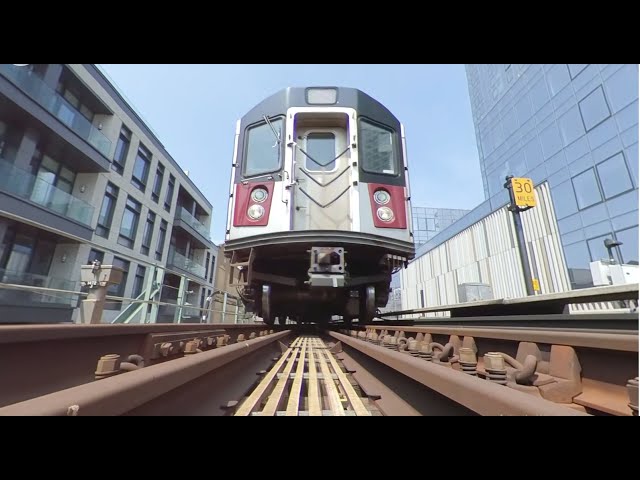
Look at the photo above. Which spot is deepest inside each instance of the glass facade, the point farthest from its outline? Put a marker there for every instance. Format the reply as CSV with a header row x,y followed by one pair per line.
x,y
428,222
575,126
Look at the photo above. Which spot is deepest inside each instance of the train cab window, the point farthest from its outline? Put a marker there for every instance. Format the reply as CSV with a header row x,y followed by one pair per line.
x,y
263,148
377,149
321,152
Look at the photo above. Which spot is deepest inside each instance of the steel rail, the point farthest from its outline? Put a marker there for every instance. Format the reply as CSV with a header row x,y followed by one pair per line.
x,y
623,341
483,397
586,295
38,333
122,393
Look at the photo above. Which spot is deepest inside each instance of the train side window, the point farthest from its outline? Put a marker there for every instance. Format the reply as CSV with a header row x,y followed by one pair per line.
x,y
262,149
321,152
377,149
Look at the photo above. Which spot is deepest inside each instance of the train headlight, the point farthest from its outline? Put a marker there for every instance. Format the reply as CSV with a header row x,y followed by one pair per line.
x,y
255,212
259,195
385,214
381,197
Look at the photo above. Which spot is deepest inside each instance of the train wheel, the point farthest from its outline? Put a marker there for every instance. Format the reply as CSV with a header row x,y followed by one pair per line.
x,y
267,316
367,305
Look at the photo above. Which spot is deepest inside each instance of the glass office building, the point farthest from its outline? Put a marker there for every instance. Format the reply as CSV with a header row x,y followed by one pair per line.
x,y
428,222
574,126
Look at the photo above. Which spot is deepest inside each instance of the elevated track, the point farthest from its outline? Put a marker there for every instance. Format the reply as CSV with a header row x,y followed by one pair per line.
x,y
507,364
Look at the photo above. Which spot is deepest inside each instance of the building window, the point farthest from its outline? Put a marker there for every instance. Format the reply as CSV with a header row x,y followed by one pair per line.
x,y
213,266
597,249
95,255
202,298
564,200
607,180
578,258
576,68
10,139
50,173
157,184
594,109
614,176
73,99
138,282
129,225
122,149
431,224
168,199
141,169
206,265
106,211
377,148
586,188
148,233
629,247
161,238
24,252
118,290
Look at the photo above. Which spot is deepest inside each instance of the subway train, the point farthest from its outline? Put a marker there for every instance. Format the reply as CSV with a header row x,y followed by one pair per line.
x,y
319,213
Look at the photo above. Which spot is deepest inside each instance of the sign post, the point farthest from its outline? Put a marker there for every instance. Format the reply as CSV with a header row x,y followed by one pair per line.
x,y
521,198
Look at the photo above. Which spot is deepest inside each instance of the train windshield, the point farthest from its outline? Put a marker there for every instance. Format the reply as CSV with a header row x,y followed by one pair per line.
x,y
263,149
377,151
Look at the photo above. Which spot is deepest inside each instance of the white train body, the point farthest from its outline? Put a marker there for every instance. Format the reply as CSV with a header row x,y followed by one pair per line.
x,y
319,210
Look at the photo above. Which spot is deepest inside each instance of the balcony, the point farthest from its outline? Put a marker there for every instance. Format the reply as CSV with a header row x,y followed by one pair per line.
x,y
21,297
183,263
19,182
49,99
185,219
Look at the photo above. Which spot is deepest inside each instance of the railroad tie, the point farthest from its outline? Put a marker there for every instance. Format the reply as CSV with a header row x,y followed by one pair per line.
x,y
305,381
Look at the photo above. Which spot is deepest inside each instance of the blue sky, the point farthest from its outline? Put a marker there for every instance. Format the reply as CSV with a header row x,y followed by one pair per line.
x,y
193,110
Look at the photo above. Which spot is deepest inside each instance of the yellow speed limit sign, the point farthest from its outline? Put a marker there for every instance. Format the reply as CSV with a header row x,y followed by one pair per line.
x,y
523,192
536,284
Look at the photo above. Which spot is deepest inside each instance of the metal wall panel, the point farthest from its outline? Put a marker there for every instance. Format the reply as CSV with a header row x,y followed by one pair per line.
x,y
486,252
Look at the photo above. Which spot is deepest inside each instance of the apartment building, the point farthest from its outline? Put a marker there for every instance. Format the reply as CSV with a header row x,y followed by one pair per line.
x,y
82,177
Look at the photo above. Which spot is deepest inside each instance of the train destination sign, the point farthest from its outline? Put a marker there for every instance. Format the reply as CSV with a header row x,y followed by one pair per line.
x,y
523,192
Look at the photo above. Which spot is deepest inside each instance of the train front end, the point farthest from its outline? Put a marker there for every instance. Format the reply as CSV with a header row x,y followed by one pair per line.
x,y
319,212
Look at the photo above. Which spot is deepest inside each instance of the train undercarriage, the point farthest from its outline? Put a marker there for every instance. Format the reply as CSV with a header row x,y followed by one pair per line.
x,y
314,281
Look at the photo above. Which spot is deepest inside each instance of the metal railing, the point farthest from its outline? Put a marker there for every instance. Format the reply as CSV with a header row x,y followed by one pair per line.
x,y
14,289
192,221
25,185
39,289
50,100
178,260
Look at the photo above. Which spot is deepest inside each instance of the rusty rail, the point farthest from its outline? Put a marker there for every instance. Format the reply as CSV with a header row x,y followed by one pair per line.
x,y
123,393
587,369
549,303
37,360
483,397
626,341
197,369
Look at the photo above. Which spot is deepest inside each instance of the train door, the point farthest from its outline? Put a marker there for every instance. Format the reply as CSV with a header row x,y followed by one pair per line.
x,y
323,173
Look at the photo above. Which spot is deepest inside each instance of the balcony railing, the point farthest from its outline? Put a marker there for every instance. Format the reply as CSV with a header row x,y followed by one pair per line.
x,y
15,297
48,98
25,185
185,263
189,219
